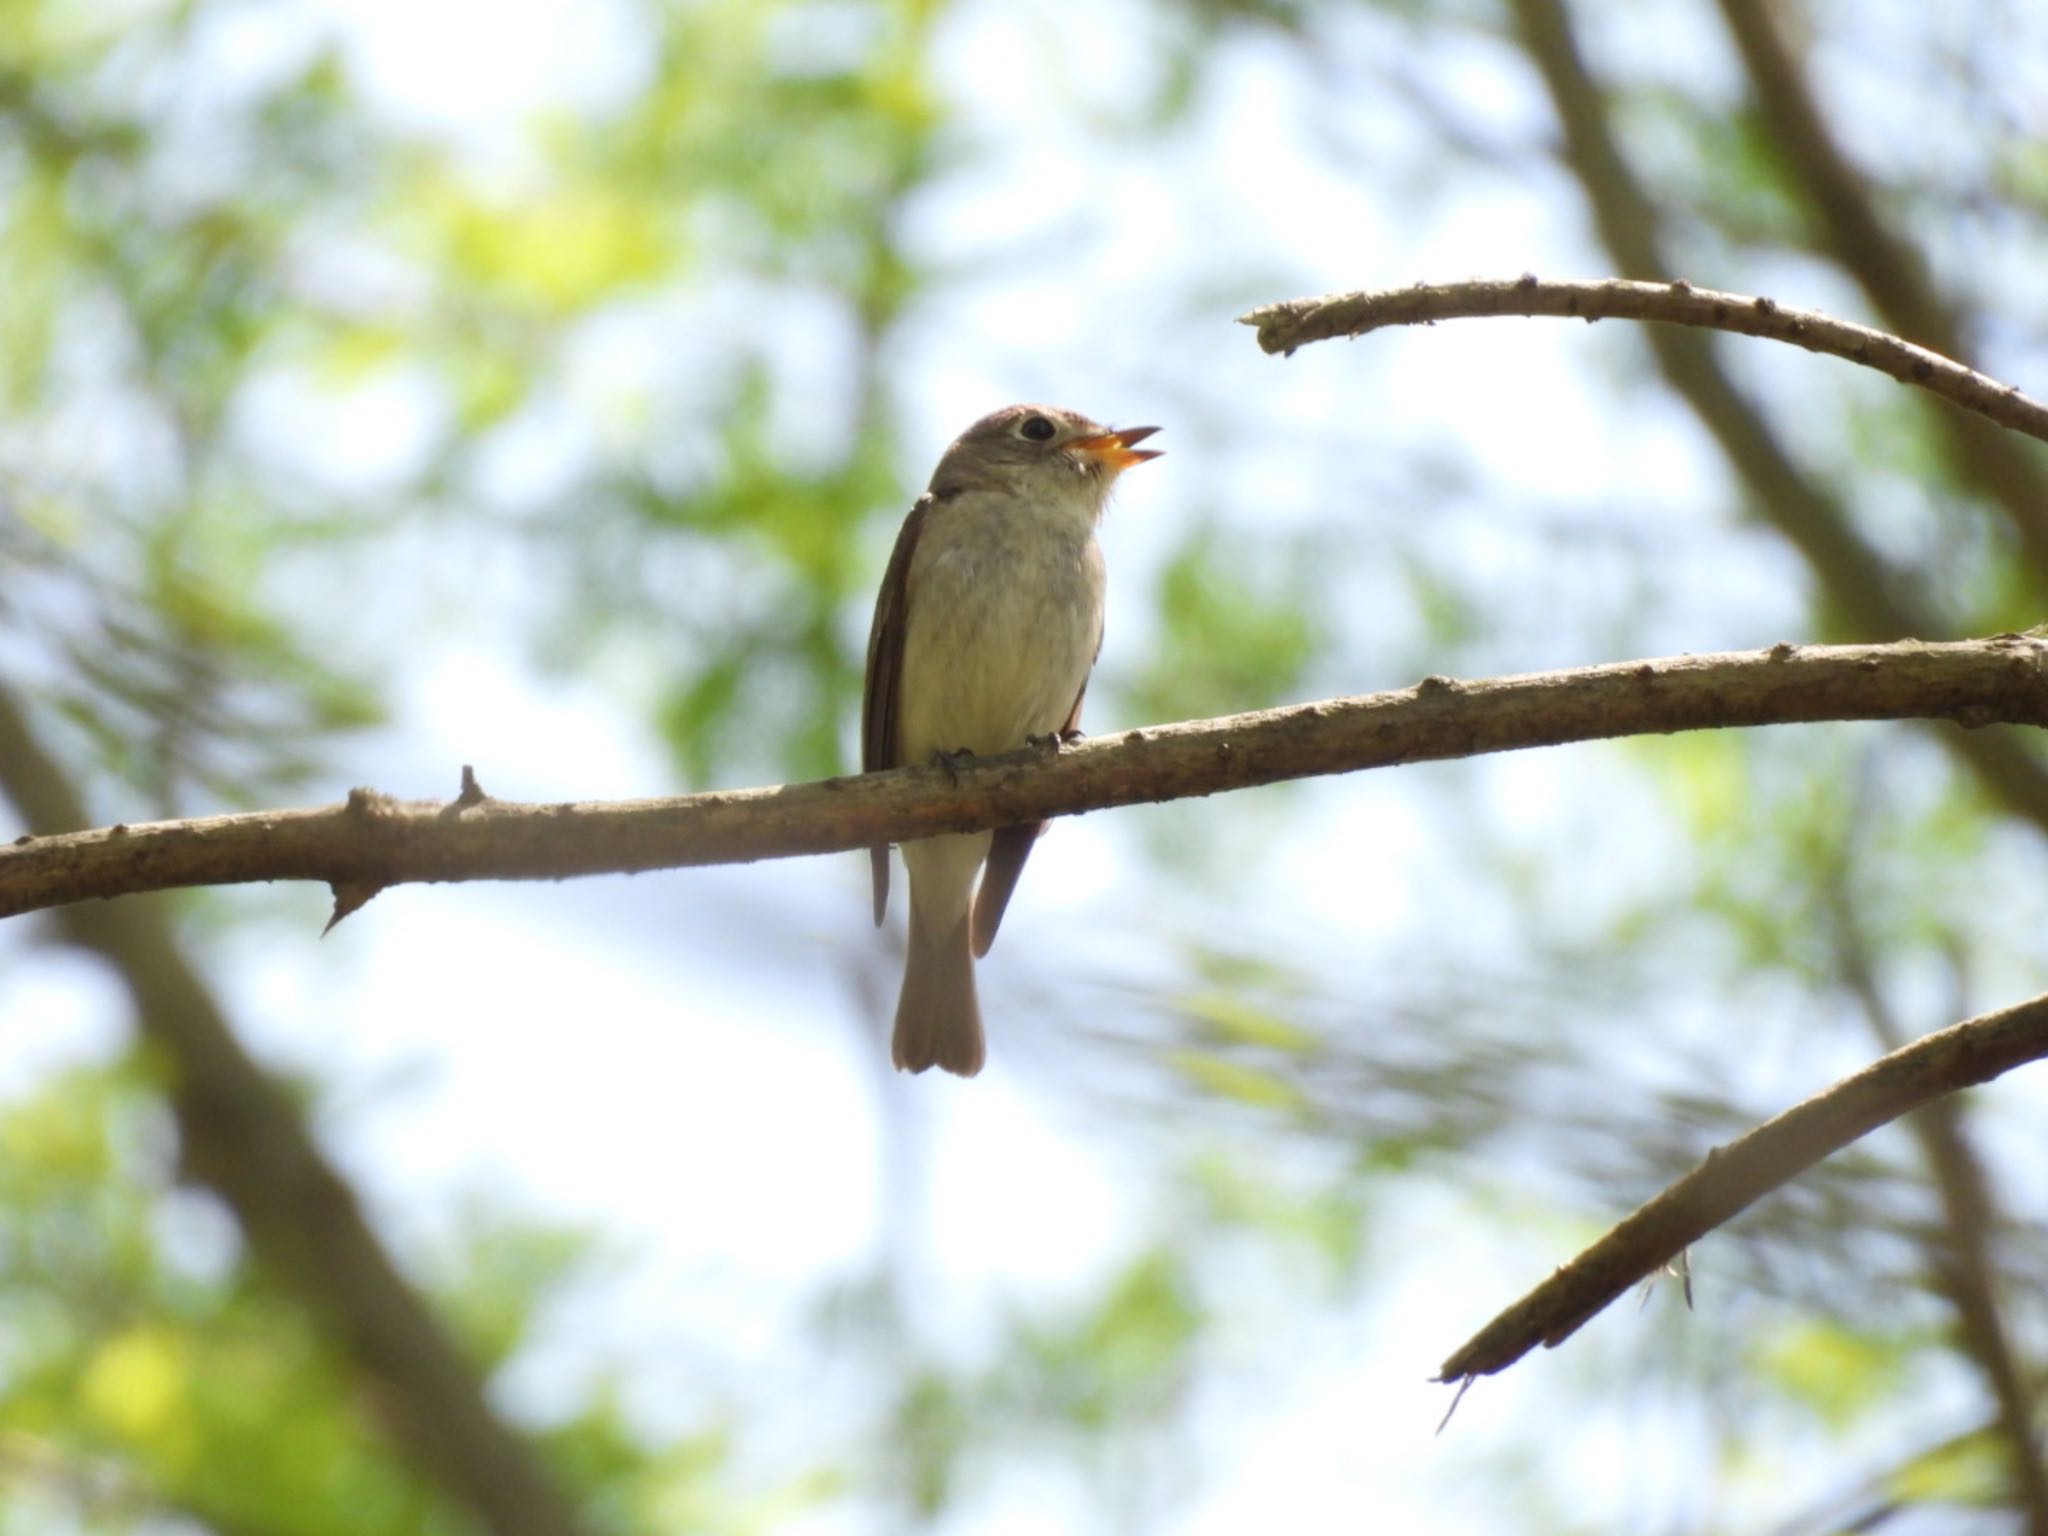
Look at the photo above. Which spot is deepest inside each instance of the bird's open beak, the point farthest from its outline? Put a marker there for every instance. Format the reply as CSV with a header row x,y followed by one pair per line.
x,y
1113,449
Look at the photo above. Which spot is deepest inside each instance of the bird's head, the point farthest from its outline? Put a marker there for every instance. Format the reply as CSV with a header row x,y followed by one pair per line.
x,y
1042,450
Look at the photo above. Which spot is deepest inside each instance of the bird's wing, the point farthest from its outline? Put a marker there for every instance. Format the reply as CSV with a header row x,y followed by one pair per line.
x,y
1008,848
878,705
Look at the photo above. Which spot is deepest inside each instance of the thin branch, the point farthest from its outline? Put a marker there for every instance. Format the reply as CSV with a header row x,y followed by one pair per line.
x,y
1733,1177
244,1136
1297,322
374,841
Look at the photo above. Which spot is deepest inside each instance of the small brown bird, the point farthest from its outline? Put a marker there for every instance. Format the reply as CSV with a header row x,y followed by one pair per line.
x,y
988,623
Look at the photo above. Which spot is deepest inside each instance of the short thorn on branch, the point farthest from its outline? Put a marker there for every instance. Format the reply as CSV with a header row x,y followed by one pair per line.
x,y
472,794
350,896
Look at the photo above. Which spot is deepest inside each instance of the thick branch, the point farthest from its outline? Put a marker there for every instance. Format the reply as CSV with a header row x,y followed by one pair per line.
x,y
1283,327
374,841
246,1138
1853,229
1733,1177
1870,597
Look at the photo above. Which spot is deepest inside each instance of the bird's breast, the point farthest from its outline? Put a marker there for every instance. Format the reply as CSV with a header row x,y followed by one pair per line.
x,y
1003,617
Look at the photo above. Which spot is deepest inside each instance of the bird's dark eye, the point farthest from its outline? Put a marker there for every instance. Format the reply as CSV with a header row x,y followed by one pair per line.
x,y
1037,428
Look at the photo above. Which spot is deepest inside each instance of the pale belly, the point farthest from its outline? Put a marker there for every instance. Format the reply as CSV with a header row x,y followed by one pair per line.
x,y
1003,629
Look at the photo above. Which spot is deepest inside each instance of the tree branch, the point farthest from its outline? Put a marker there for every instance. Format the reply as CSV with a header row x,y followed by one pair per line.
x,y
245,1137
1733,1177
1297,322
1869,596
1852,228
374,841
1965,1266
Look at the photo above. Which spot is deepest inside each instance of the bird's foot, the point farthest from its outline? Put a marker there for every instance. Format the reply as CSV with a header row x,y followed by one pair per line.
x,y
952,762
1050,743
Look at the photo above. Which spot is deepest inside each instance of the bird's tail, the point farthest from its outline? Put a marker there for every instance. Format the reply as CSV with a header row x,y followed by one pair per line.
x,y
938,1020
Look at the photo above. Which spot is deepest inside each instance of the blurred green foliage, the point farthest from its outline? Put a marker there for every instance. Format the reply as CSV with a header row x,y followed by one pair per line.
x,y
142,1381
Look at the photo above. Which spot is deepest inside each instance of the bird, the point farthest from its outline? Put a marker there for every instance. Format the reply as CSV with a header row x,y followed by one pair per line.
x,y
987,625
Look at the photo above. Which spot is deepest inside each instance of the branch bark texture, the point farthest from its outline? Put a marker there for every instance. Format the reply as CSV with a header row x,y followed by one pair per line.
x,y
1297,322
1733,1177
373,841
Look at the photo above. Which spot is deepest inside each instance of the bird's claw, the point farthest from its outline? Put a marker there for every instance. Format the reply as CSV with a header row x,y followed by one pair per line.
x,y
951,761
1050,743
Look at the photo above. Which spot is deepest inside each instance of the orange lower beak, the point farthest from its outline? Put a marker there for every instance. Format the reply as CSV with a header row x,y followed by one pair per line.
x,y
1114,448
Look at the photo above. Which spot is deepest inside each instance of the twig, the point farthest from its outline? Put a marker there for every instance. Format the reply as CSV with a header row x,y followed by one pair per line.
x,y
374,841
1283,327
1735,1176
